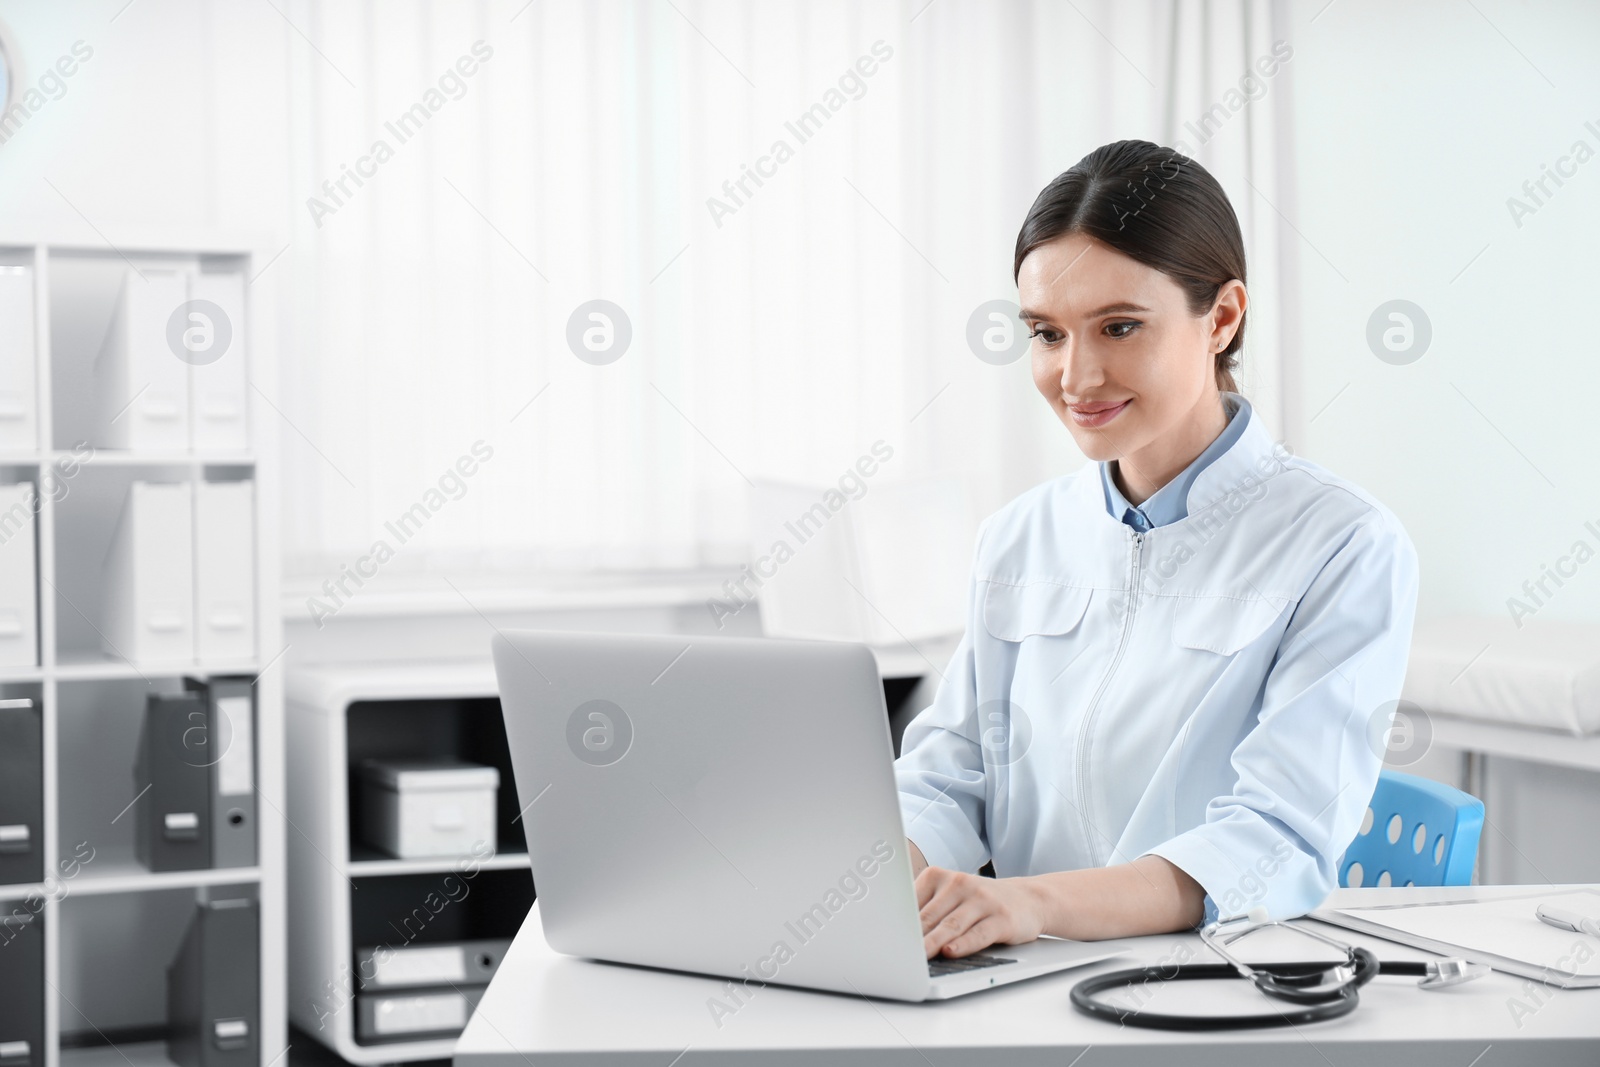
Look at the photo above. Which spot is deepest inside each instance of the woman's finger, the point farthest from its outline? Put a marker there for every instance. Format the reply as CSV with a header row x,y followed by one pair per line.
x,y
940,894
967,914
929,881
987,931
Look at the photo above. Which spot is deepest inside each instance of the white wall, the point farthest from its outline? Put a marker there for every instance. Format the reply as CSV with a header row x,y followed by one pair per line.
x,y
176,120
1415,123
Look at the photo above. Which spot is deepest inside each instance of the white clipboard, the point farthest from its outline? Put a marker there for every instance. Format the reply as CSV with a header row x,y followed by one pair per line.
x,y
1504,934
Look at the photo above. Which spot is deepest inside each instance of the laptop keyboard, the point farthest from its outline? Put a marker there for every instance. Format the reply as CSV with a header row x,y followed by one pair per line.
x,y
940,966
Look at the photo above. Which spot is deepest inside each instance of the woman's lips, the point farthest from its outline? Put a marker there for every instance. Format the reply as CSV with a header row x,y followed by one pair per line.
x,y
1096,415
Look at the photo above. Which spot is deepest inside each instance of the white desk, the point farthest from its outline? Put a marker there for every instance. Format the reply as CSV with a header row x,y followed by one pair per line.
x,y
545,1009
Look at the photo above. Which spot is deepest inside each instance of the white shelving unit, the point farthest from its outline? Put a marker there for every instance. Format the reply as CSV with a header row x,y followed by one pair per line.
x,y
326,859
111,926
335,880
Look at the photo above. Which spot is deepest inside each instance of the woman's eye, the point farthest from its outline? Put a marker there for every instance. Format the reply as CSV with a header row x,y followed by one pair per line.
x,y
1050,336
1126,327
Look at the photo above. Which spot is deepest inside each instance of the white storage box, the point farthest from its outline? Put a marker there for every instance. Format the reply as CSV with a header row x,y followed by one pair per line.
x,y
413,809
19,606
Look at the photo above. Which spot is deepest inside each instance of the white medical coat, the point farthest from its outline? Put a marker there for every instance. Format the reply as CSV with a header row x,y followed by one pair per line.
x,y
1216,691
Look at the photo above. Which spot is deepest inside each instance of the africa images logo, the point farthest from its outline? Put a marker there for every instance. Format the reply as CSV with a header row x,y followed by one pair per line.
x,y
199,332
599,732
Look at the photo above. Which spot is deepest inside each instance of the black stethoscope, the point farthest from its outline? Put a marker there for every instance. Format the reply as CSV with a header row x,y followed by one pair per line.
x,y
1318,991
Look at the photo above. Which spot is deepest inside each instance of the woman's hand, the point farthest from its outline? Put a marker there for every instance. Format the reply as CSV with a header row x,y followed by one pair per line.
x,y
963,913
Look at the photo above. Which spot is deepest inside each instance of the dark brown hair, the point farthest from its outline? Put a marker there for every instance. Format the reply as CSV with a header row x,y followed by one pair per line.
x,y
1154,205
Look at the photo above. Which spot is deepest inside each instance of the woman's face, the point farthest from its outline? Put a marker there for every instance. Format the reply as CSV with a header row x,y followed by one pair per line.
x,y
1119,357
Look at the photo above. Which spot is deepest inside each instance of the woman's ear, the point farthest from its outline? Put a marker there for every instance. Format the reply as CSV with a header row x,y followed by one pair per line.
x,y
1227,312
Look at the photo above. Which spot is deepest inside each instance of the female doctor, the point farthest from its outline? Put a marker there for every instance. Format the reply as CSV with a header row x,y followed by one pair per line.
x,y
1171,699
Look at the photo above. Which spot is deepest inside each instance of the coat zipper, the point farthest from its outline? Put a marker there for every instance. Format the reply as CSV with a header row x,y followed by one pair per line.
x,y
1088,717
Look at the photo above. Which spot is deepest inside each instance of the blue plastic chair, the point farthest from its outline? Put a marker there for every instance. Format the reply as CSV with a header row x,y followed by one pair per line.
x,y
1416,832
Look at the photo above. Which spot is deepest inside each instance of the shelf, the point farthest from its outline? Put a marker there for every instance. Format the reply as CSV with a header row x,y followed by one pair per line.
x,y
114,457
389,1052
18,890
131,1054
88,665
21,674
117,457
119,872
367,861
914,661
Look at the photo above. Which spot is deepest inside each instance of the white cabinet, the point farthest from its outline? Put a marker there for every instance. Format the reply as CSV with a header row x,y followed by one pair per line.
x,y
350,902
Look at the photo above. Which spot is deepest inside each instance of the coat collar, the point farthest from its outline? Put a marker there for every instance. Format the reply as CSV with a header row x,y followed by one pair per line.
x,y
1251,458
1169,503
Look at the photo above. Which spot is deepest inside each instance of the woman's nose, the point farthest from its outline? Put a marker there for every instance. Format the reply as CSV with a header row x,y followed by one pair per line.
x,y
1079,371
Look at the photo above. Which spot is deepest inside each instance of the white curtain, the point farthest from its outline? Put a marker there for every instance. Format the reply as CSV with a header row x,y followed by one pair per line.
x,y
428,305
1229,81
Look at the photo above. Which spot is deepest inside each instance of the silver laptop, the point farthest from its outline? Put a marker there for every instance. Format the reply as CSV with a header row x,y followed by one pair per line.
x,y
727,806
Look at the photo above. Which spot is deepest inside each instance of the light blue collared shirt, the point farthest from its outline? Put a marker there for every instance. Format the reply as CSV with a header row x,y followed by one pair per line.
x,y
1206,691
1171,502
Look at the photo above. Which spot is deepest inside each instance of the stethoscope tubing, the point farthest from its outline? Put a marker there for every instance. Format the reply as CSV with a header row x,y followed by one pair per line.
x,y
1285,982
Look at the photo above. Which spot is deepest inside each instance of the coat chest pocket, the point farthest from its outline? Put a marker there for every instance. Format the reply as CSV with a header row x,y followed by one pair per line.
x,y
1013,612
1223,624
